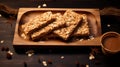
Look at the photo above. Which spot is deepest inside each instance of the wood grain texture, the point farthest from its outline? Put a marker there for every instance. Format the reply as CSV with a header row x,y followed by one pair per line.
x,y
94,20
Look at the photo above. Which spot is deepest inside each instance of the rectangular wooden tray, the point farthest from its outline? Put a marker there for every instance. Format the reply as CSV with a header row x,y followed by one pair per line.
x,y
26,12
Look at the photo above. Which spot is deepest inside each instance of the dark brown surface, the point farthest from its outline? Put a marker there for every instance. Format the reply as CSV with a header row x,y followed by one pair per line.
x,y
71,54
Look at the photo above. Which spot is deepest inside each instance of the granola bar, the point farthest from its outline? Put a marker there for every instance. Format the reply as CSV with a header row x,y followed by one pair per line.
x,y
83,29
52,26
72,19
37,22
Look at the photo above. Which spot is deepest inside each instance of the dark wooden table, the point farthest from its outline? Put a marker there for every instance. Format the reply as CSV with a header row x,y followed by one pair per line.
x,y
57,56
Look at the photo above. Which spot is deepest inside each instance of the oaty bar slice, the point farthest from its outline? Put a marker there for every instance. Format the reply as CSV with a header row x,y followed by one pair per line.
x,y
37,22
83,29
59,22
72,19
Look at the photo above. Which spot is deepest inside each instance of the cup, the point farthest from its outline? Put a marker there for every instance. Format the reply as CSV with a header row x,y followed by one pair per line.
x,y
110,43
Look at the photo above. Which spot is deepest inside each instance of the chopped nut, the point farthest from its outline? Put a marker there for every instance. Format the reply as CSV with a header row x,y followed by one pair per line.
x,y
108,25
91,37
87,65
39,6
91,57
30,53
2,41
10,52
88,39
81,39
9,55
0,15
44,5
62,57
44,63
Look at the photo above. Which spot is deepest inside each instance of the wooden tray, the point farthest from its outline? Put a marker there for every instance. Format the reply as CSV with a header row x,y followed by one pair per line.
x,y
25,14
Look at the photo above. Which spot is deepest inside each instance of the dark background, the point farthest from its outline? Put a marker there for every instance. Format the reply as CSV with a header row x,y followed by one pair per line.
x,y
72,55
63,3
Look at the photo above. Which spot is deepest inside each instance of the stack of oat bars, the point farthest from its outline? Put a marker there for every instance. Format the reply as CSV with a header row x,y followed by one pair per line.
x,y
48,26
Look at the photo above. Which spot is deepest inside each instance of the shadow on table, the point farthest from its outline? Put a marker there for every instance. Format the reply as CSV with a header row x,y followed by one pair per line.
x,y
53,49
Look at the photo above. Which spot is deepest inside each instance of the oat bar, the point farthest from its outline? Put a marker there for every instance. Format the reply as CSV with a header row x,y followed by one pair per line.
x,y
37,22
54,25
83,29
72,19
